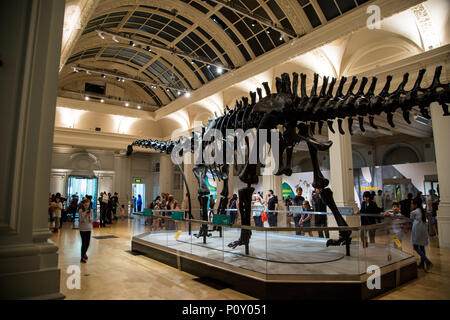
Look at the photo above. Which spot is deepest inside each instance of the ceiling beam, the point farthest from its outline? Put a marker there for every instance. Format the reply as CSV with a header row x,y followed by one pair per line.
x,y
230,4
127,37
110,73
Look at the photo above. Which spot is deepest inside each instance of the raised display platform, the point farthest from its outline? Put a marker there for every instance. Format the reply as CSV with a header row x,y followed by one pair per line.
x,y
280,265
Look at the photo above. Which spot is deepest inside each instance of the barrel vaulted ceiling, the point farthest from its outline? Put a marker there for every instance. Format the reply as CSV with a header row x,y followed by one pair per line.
x,y
203,35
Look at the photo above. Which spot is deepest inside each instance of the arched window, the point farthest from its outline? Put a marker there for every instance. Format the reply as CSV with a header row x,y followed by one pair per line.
x,y
400,154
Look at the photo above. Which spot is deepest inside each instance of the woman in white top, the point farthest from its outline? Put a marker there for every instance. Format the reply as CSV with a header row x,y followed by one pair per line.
x,y
419,233
57,208
85,226
257,201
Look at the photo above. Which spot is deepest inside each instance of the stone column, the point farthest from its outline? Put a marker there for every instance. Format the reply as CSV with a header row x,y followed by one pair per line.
x,y
441,134
165,174
122,178
29,77
341,173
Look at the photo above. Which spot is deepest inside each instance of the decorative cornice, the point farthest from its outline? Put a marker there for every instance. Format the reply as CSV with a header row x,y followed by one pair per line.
x,y
424,22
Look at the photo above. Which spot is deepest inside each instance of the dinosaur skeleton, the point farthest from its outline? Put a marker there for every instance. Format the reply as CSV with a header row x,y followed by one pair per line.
x,y
299,115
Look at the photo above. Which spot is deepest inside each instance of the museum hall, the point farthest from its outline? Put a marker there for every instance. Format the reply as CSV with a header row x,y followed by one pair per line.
x,y
233,150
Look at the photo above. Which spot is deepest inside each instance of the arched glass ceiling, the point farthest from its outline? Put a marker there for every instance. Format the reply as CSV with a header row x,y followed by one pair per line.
x,y
180,30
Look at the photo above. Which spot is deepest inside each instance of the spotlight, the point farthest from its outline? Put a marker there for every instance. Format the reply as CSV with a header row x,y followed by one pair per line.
x,y
132,44
76,70
254,23
101,35
167,89
118,79
127,104
208,66
219,70
139,107
179,92
268,31
102,100
103,76
114,38
86,98
149,49
123,80
188,94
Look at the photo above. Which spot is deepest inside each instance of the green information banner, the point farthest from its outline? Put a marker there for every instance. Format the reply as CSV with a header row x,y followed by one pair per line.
x,y
287,190
221,219
177,215
147,212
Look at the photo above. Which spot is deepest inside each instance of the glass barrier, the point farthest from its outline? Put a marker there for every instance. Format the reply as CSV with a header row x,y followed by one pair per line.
x,y
310,249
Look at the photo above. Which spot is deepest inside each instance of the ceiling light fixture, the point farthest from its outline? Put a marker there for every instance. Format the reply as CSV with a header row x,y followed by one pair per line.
x,y
219,70
102,100
188,94
127,104
86,98
101,35
114,38
139,107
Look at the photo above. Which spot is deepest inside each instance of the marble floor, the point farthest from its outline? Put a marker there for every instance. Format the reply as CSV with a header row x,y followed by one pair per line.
x,y
112,272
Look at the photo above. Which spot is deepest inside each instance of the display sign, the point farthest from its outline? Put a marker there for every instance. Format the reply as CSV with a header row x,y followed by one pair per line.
x,y
177,215
147,212
287,190
397,241
296,209
222,219
346,210
177,234
138,180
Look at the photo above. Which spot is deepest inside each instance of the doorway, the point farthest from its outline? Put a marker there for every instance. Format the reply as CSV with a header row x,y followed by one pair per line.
x,y
138,190
82,186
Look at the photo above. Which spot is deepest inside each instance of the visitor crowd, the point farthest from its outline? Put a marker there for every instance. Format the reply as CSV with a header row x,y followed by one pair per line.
x,y
418,214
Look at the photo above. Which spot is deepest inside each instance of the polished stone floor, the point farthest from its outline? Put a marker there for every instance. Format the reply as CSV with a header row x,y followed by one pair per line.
x,y
112,272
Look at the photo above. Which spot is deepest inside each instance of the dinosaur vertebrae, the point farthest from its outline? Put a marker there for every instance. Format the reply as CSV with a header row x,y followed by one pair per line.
x,y
325,107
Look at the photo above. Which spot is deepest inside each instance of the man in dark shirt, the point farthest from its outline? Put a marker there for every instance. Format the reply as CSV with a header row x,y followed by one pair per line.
x,y
368,206
114,202
272,204
405,205
298,201
320,220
